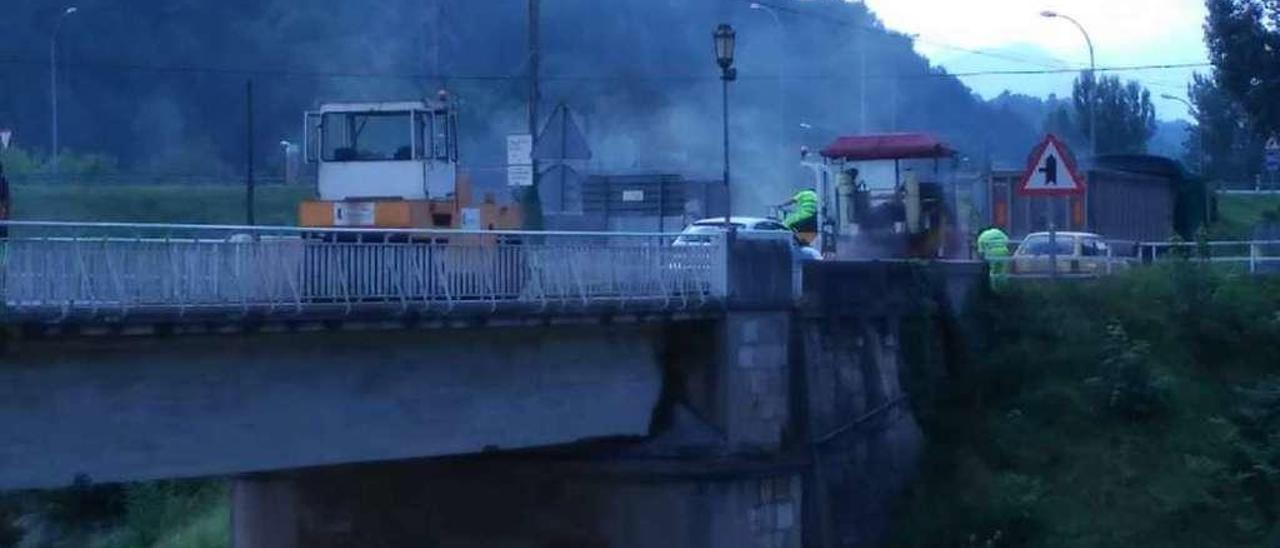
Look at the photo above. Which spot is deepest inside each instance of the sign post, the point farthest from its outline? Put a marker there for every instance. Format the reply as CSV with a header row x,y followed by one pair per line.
x,y
1051,173
1272,161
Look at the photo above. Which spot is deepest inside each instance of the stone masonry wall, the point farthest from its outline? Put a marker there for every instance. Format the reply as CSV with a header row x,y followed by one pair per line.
x,y
756,379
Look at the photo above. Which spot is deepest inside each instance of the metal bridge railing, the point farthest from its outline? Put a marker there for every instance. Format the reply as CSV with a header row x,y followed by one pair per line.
x,y
60,270
1252,257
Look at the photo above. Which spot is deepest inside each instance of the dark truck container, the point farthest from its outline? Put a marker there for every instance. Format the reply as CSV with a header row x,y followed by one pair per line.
x,y
1134,198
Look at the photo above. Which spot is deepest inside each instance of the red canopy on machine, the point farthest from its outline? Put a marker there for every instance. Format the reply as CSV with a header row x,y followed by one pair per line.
x,y
891,146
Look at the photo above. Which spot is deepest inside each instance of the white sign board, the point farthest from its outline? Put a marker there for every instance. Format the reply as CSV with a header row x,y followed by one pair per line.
x,y
519,150
633,195
520,175
5,136
470,218
520,160
354,214
1051,172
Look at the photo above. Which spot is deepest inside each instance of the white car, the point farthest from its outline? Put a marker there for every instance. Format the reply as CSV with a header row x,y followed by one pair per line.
x,y
702,232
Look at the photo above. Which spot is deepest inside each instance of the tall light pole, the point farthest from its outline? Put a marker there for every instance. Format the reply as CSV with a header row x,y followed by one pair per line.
x,y
1201,157
1093,78
53,84
782,69
1195,113
725,39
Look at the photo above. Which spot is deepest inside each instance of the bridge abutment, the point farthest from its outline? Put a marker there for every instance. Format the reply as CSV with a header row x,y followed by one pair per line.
x,y
264,511
516,503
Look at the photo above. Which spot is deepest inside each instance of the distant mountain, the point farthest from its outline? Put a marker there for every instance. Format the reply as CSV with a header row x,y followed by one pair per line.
x,y
1013,57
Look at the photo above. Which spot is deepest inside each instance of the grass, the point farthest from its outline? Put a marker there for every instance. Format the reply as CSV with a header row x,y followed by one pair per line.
x,y
1136,411
1237,215
196,204
164,514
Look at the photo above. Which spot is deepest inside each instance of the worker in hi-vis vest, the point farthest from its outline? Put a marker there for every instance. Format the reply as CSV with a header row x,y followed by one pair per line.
x,y
993,247
804,212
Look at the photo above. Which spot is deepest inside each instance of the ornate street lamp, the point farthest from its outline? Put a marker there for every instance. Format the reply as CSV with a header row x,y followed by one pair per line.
x,y
725,39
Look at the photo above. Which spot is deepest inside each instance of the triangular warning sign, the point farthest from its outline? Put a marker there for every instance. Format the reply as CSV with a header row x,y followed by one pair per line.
x,y
5,136
561,139
1051,171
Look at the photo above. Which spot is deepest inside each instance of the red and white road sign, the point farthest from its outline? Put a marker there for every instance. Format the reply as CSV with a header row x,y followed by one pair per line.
x,y
1051,171
5,135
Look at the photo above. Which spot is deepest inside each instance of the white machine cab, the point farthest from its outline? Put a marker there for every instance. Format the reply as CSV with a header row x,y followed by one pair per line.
x,y
405,150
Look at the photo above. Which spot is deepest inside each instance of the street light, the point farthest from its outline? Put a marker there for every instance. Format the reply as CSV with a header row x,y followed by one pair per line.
x,y
1200,153
1195,113
726,39
53,83
1093,78
782,68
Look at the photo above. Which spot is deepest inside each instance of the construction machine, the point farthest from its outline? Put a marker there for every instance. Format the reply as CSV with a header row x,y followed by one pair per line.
x,y
883,197
394,165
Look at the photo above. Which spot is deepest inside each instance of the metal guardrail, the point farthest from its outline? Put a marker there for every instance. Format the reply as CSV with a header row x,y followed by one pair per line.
x,y
60,271
1253,257
1250,192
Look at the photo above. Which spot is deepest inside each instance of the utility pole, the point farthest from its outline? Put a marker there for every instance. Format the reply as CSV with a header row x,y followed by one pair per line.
x,y
53,86
531,200
249,183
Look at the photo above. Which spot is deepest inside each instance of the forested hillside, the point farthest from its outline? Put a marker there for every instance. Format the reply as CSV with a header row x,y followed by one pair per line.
x,y
159,86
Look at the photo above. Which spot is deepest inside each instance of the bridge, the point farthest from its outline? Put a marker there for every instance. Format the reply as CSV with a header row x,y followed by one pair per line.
x,y
398,388
100,273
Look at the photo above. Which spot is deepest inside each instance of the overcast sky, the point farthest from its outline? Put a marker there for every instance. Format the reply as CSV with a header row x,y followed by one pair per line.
x,y
1125,32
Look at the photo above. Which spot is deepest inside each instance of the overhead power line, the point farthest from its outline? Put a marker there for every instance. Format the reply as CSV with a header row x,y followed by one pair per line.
x,y
1119,68
295,73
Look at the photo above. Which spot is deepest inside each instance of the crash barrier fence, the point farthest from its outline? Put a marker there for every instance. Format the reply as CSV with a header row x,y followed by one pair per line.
x,y
63,270
1253,257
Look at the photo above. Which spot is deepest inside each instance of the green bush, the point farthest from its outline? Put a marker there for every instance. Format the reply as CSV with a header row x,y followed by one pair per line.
x,y
167,514
165,511
1132,388
1141,410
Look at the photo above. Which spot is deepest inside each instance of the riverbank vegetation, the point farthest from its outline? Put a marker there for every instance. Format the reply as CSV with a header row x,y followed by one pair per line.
x,y
1141,410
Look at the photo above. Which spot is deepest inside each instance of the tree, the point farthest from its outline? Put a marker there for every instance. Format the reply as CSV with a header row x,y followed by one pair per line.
x,y
1058,122
1244,46
1232,151
1125,115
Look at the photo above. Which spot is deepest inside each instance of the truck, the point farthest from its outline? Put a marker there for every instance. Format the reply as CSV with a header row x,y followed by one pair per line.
x,y
393,165
885,197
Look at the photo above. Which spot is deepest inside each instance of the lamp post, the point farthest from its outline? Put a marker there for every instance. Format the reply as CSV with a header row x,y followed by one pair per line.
x,y
53,84
725,39
782,68
1093,127
1201,157
1195,113
1093,78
